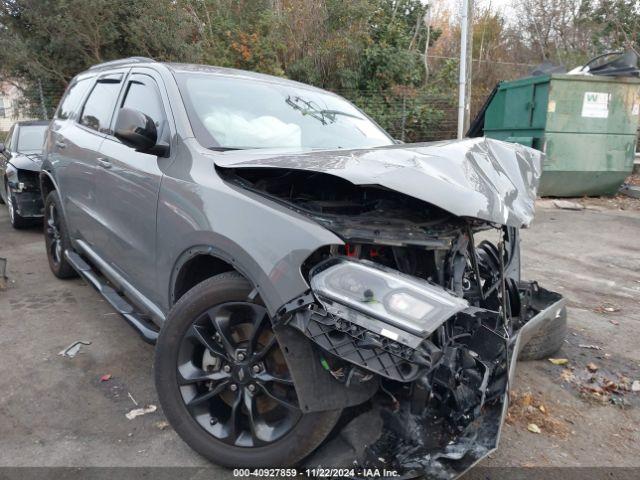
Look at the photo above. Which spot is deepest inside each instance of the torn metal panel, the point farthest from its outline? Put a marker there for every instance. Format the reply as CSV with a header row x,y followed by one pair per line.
x,y
480,178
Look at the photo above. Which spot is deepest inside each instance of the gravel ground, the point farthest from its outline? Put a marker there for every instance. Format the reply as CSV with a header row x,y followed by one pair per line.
x,y
54,411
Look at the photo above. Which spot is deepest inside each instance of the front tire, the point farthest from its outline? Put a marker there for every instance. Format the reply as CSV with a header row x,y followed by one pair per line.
x,y
224,385
56,237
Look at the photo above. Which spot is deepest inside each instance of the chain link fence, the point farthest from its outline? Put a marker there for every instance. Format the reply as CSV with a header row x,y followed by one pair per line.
x,y
409,115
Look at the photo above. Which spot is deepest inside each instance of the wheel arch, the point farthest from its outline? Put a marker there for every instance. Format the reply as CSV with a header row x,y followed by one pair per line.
x,y
197,264
47,184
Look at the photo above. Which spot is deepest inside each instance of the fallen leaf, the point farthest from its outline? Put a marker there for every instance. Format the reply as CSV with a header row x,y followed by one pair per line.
x,y
542,409
635,386
162,425
567,375
606,308
559,361
614,322
105,378
533,428
527,399
592,367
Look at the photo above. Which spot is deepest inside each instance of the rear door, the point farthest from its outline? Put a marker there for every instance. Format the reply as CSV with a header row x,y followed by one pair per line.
x,y
130,185
74,144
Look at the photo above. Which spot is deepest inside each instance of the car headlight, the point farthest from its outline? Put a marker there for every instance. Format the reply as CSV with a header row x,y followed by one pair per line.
x,y
411,304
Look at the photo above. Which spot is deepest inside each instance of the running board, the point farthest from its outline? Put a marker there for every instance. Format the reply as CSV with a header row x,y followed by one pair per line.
x,y
144,327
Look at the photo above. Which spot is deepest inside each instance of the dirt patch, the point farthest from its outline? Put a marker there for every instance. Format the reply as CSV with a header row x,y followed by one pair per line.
x,y
532,412
600,387
595,373
633,180
616,202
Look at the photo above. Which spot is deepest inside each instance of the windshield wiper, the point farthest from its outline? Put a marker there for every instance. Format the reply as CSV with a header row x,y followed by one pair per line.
x,y
338,112
311,109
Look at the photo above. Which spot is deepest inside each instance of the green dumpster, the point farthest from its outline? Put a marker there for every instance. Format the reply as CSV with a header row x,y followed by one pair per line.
x,y
586,125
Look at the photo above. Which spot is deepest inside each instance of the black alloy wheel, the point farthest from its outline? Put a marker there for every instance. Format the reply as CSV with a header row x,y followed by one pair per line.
x,y
233,377
224,384
53,239
56,238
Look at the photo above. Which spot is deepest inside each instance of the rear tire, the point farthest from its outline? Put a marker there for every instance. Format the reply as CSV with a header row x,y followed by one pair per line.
x,y
56,237
300,437
547,341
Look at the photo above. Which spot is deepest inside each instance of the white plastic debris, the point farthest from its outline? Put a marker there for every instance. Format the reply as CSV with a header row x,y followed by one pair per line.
x,y
567,205
73,349
591,347
138,412
132,399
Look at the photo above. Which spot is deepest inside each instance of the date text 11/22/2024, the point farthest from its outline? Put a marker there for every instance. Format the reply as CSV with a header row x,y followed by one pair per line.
x,y
315,472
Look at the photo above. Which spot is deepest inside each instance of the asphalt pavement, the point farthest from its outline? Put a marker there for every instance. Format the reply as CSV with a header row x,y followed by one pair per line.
x,y
56,411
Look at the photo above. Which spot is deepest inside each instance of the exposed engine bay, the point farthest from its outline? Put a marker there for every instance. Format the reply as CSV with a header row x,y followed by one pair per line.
x,y
420,302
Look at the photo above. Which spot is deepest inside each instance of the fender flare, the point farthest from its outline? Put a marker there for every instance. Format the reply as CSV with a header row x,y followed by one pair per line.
x,y
209,250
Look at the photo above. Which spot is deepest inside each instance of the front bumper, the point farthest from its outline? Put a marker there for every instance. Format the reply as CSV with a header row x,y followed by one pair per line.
x,y
28,204
418,445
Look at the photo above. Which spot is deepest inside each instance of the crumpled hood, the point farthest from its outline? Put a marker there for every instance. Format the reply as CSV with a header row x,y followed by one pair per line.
x,y
27,161
479,177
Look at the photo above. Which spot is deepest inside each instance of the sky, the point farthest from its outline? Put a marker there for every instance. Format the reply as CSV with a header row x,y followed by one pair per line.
x,y
504,6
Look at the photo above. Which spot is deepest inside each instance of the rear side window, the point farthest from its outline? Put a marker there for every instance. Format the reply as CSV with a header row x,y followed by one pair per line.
x,y
72,98
100,104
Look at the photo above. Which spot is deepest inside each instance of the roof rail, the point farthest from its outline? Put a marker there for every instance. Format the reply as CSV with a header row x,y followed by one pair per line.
x,y
122,61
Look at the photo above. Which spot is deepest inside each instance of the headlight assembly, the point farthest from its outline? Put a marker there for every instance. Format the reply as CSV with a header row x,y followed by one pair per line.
x,y
408,303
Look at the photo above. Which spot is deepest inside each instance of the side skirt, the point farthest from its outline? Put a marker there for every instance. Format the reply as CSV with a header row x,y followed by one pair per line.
x,y
147,329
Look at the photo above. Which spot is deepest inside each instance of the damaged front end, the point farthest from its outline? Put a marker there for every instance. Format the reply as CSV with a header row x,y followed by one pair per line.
x,y
415,322
441,361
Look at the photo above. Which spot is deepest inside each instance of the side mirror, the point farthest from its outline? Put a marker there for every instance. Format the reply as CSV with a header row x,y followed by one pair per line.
x,y
2,147
136,130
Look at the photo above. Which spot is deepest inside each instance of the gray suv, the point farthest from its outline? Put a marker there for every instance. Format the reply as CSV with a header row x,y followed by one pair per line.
x,y
318,293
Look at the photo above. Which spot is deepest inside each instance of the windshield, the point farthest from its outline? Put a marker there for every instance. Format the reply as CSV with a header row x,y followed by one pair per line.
x,y
31,138
236,113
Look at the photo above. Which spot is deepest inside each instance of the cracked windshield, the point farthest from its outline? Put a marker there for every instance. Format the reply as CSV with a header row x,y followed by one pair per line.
x,y
231,113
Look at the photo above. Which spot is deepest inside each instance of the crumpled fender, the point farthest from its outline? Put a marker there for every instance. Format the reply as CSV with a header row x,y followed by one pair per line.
x,y
479,177
32,162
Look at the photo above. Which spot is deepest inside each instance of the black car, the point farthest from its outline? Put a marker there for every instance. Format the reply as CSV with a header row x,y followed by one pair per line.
x,y
20,162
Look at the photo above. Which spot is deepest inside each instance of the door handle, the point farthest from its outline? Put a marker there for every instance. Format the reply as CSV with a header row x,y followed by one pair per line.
x,y
104,163
60,144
